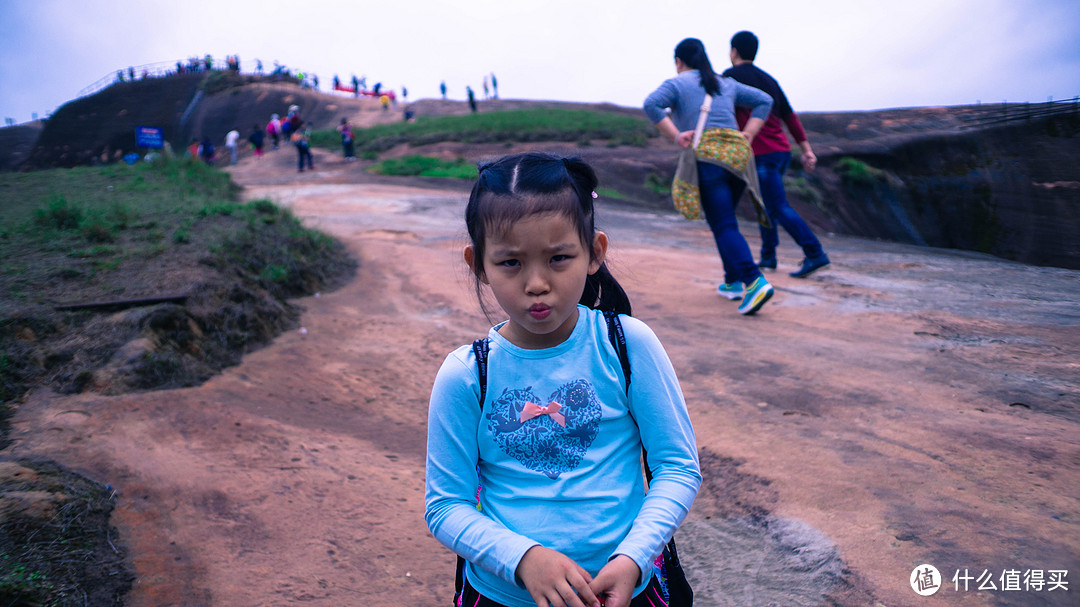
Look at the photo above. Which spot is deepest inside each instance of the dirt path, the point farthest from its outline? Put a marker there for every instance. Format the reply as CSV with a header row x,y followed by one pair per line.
x,y
906,406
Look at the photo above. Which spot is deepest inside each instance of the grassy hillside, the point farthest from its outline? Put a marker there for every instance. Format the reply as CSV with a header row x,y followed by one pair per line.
x,y
119,233
537,124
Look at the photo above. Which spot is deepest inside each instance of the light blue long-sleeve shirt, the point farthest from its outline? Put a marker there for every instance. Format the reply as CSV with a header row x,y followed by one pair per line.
x,y
568,479
684,95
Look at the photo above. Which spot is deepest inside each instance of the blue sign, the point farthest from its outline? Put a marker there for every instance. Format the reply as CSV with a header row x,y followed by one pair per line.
x,y
149,137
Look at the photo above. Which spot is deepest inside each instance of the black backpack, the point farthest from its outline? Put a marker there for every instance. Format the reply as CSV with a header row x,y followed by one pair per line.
x,y
680,594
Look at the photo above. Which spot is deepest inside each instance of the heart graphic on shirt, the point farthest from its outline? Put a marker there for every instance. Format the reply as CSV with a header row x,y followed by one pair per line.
x,y
547,435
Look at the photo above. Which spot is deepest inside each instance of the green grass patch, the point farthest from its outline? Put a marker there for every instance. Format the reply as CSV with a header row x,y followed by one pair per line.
x,y
658,184
611,193
425,166
858,172
537,124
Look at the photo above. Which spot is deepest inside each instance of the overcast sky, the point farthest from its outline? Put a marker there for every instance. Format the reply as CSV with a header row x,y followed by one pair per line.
x,y
827,54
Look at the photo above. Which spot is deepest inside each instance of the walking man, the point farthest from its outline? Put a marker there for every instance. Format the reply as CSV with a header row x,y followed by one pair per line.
x,y
772,155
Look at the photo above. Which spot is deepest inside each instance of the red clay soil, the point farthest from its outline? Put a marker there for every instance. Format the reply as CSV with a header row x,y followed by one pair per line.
x,y
906,406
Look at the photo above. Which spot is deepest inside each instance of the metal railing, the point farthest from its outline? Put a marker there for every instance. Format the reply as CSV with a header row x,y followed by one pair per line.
x,y
1004,112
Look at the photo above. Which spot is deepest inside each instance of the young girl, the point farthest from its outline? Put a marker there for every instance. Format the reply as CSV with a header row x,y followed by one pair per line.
x,y
539,487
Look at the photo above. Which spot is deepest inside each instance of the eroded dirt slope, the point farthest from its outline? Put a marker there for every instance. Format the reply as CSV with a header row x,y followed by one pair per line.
x,y
908,405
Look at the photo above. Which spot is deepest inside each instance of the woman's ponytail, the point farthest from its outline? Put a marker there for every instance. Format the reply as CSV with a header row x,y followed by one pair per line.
x,y
691,51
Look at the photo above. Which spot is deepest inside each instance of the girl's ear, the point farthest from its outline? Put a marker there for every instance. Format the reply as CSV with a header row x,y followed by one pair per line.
x,y
599,251
474,263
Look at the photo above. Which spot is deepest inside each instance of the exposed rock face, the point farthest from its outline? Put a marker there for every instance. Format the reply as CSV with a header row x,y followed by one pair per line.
x,y
1010,188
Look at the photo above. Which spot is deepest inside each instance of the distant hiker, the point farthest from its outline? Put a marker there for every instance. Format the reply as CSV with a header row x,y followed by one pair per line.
x,y
315,81
256,138
273,128
347,149
301,138
487,90
206,151
404,94
442,88
494,85
192,149
286,127
258,66
384,101
179,67
119,75
131,74
337,82
232,141
209,62
355,86
723,158
375,89
472,98
772,155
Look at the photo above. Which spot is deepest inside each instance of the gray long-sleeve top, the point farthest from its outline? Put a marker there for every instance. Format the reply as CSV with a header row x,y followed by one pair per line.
x,y
684,95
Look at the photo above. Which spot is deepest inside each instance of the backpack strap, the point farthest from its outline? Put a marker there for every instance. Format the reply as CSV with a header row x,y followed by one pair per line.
x,y
480,348
618,341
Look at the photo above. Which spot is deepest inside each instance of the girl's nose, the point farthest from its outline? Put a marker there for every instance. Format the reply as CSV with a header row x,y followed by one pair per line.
x,y
536,283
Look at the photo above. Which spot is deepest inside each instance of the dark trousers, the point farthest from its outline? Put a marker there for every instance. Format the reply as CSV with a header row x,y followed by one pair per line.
x,y
770,170
720,192
303,151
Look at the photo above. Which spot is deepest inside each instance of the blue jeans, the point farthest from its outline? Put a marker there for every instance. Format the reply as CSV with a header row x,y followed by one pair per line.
x,y
770,172
720,191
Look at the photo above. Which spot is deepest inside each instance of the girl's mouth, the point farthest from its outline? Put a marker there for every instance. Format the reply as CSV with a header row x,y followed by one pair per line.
x,y
539,311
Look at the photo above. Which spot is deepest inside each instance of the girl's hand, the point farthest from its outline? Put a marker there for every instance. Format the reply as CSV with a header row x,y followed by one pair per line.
x,y
684,139
616,581
554,579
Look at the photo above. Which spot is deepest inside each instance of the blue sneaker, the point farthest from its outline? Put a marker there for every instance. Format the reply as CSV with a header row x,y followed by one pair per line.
x,y
768,262
759,292
731,290
811,265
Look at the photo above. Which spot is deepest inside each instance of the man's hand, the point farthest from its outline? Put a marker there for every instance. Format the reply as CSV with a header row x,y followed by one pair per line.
x,y
554,579
809,159
616,581
685,139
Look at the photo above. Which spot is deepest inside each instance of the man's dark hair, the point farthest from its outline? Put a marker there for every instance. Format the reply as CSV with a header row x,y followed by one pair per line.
x,y
745,43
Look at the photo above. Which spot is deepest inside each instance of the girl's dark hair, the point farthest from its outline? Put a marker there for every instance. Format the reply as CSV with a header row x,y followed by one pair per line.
x,y
521,185
692,52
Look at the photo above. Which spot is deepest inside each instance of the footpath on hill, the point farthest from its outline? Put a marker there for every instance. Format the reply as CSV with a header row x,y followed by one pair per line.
x,y
906,406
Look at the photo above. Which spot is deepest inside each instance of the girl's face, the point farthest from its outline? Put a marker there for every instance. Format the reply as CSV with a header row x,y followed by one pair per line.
x,y
537,270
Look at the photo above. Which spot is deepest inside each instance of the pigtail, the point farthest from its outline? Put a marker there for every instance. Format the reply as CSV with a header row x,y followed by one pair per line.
x,y
604,293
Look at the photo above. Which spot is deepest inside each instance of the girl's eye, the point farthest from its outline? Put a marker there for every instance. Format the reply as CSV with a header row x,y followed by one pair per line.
x,y
509,263
558,258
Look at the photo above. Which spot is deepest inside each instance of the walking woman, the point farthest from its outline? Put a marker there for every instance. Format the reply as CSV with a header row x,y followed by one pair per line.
x,y
721,141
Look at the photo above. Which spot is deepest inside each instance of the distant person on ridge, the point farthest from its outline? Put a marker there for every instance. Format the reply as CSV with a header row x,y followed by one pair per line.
x,y
273,128
301,138
257,137
494,85
487,89
232,141
347,148
772,155
472,98
206,151
442,89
